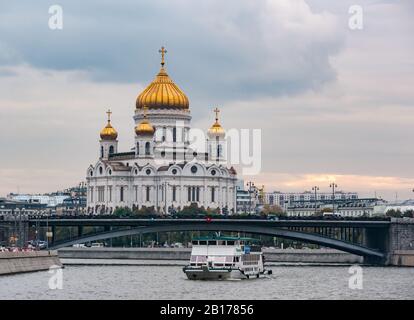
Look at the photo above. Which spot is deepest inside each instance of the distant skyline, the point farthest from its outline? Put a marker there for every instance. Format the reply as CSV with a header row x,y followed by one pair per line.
x,y
333,103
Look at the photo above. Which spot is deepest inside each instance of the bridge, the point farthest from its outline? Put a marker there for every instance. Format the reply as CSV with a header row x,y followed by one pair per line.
x,y
375,240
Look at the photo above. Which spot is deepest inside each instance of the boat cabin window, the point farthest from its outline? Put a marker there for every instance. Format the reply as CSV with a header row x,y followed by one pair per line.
x,y
202,242
194,242
230,243
212,243
220,242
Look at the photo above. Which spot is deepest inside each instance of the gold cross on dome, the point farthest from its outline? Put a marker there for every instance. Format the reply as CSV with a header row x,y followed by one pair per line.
x,y
216,110
163,52
109,112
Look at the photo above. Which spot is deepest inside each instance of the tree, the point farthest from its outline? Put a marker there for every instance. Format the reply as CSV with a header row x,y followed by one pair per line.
x,y
144,211
409,214
123,212
225,210
212,212
274,209
192,209
393,213
319,213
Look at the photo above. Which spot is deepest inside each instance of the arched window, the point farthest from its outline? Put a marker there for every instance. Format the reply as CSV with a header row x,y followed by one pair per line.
x,y
137,147
219,150
102,151
174,134
111,149
147,148
174,193
147,194
121,193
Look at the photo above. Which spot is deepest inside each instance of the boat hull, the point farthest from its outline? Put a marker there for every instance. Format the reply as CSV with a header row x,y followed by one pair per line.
x,y
215,274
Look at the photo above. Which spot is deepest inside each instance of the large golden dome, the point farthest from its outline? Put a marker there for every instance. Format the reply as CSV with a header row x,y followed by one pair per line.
x,y
109,133
162,93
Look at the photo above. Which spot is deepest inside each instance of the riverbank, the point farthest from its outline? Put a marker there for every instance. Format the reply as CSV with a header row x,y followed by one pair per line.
x,y
20,262
161,256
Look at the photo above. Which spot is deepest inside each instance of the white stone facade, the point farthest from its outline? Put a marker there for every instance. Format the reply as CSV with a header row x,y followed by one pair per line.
x,y
135,184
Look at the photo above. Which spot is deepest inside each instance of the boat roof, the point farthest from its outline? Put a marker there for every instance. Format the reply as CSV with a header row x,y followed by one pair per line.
x,y
207,238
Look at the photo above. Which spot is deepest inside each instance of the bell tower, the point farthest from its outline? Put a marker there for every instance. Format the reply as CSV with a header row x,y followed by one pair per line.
x,y
108,143
144,138
216,141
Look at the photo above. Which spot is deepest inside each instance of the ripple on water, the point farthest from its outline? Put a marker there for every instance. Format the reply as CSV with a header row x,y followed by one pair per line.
x,y
169,282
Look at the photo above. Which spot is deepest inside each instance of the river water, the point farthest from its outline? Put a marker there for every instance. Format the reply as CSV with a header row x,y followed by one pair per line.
x,y
169,282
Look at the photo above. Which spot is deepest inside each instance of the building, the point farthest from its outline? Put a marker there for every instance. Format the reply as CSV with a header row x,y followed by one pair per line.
x,y
14,208
248,201
286,199
401,206
61,202
162,171
346,208
49,200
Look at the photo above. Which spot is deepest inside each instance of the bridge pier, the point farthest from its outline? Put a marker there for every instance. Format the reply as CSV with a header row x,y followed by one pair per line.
x,y
376,239
400,244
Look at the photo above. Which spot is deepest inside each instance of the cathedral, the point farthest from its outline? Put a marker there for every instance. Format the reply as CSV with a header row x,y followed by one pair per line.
x,y
163,170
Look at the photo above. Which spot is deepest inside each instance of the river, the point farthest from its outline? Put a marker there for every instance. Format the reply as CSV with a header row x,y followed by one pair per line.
x,y
169,282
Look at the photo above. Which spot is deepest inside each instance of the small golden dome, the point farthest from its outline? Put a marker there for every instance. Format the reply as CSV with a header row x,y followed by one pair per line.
x,y
109,133
216,129
144,127
162,93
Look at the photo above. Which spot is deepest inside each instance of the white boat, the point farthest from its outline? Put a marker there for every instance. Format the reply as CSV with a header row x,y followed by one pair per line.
x,y
220,258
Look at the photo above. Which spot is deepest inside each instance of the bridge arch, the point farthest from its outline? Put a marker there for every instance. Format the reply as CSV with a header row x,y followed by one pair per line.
x,y
253,229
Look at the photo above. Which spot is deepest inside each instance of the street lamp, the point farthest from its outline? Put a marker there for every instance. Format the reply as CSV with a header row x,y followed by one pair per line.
x,y
333,185
316,189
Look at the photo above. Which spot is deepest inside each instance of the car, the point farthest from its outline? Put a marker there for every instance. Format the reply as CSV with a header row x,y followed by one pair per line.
x,y
332,215
97,245
177,245
79,245
272,217
37,244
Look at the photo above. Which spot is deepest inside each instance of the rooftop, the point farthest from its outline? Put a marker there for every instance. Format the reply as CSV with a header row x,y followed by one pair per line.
x,y
224,238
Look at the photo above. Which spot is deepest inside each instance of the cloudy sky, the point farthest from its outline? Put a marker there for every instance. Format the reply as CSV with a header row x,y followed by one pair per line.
x,y
333,103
